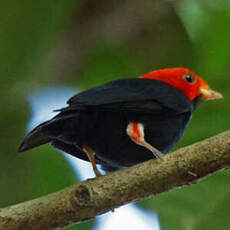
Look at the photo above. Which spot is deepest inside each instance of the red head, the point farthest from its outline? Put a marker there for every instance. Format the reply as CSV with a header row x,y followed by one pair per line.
x,y
186,81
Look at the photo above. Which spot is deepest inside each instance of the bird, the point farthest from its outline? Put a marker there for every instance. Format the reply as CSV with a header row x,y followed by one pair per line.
x,y
127,121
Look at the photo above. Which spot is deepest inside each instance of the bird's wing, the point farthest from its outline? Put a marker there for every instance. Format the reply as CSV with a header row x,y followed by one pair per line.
x,y
134,94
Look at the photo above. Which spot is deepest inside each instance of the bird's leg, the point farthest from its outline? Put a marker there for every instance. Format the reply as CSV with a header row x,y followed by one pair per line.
x,y
89,153
136,133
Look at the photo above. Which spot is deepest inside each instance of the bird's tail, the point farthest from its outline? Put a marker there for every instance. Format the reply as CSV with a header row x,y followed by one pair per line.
x,y
62,124
35,138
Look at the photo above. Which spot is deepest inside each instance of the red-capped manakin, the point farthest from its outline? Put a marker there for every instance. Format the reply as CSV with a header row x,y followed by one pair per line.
x,y
125,122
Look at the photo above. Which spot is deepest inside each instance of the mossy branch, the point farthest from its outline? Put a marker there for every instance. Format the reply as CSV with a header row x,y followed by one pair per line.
x,y
96,196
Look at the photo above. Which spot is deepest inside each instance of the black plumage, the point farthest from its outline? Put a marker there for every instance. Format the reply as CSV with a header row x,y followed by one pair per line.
x,y
98,118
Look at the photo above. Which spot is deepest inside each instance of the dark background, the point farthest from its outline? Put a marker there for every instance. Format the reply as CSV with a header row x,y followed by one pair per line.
x,y
86,43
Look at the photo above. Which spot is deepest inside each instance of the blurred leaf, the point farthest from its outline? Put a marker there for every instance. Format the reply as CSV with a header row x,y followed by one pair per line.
x,y
180,208
143,36
208,26
217,217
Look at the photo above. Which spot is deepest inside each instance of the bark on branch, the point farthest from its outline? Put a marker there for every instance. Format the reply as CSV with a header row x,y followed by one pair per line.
x,y
96,196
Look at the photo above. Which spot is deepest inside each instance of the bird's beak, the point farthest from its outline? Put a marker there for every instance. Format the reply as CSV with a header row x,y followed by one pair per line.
x,y
209,94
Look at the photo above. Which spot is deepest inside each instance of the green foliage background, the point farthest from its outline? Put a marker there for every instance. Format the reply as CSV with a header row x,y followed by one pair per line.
x,y
85,43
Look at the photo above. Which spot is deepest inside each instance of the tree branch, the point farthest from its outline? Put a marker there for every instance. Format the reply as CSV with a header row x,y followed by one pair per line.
x,y
96,196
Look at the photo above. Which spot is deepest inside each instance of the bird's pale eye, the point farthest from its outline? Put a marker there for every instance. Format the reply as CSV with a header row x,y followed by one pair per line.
x,y
189,78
